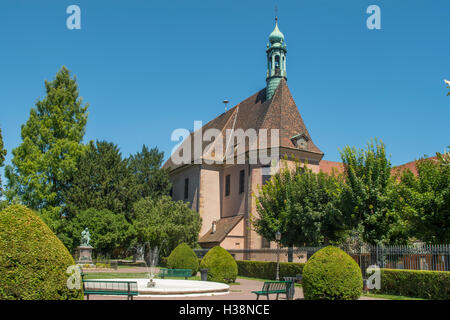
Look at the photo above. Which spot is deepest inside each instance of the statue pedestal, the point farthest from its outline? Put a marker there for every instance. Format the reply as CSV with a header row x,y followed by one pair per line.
x,y
84,255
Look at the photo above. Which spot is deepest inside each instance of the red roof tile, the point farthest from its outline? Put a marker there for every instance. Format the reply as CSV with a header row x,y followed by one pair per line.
x,y
256,112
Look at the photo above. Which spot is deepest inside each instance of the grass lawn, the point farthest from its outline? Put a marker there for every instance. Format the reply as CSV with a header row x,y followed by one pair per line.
x,y
390,296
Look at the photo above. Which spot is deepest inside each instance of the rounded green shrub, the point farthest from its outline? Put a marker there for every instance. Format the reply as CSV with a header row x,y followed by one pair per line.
x,y
183,257
33,261
220,264
331,274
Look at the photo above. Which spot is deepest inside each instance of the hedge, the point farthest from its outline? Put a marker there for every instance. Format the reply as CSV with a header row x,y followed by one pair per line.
x,y
33,261
267,269
416,283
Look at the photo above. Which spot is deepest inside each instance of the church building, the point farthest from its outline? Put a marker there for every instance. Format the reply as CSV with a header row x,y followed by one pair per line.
x,y
223,193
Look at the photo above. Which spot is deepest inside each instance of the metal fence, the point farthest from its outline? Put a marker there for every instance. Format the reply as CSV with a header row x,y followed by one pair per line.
x,y
412,257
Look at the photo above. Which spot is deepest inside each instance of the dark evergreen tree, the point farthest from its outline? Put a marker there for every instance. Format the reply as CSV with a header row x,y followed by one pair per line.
x,y
103,181
151,180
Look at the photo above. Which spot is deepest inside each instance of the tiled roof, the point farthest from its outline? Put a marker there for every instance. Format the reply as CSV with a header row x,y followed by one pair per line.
x,y
410,165
328,166
256,112
223,228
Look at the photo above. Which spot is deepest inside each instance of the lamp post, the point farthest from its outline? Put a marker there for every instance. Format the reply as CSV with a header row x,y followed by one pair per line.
x,y
278,237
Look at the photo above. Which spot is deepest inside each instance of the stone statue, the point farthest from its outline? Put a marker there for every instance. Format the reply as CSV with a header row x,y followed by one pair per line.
x,y
85,237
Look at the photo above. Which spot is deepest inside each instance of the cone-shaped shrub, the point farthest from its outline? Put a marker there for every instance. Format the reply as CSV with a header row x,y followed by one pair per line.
x,y
220,264
33,261
183,257
331,274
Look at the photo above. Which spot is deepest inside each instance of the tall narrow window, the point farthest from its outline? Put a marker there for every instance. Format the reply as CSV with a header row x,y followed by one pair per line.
x,y
265,174
186,188
241,181
277,62
227,185
265,244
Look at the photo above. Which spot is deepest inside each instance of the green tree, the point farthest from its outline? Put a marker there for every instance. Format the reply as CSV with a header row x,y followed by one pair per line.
x,y
444,157
2,158
51,145
102,181
12,190
427,198
369,194
303,206
150,179
165,223
111,233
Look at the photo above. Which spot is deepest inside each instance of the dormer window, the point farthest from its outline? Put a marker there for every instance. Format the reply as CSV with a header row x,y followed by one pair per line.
x,y
300,141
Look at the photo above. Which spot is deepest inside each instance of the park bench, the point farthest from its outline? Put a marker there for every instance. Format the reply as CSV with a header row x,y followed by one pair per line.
x,y
110,287
186,273
274,287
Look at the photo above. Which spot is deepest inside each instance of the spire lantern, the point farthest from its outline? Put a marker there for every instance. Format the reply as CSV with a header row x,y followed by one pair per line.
x,y
276,60
276,36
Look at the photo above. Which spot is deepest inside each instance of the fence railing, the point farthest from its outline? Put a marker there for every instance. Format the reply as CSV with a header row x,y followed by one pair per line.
x,y
412,257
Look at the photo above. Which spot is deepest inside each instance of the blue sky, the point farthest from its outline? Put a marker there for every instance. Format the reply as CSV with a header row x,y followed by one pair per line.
x,y
149,67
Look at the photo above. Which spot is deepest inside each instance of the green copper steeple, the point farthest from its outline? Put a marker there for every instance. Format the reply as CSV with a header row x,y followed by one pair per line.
x,y
276,60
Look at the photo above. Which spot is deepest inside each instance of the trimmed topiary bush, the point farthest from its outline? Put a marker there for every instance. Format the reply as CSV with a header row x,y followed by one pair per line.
x,y
33,261
183,257
220,264
331,274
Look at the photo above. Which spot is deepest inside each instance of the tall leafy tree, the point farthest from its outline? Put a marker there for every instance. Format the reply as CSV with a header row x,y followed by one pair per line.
x,y
51,145
12,190
303,206
103,181
427,200
150,179
165,223
2,157
111,233
444,158
369,194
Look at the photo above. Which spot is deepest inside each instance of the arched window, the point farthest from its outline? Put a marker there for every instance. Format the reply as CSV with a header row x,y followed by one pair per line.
x,y
277,62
